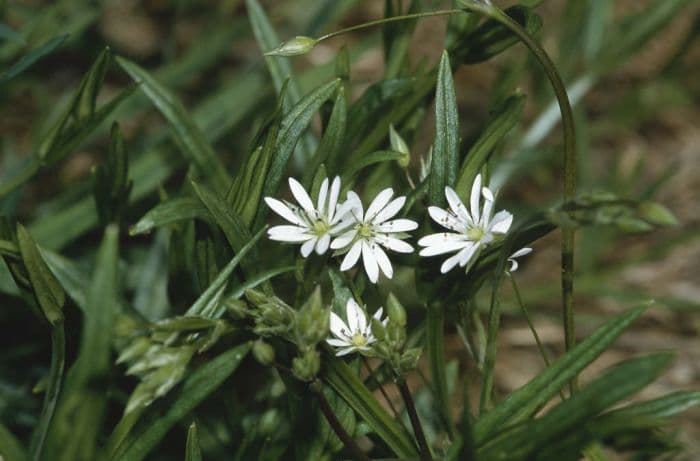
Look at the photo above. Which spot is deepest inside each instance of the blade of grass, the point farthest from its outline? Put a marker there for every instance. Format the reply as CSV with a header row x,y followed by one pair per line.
x,y
31,58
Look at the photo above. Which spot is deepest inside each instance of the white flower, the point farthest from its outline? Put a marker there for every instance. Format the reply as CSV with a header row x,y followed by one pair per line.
x,y
373,230
311,226
356,335
517,254
472,230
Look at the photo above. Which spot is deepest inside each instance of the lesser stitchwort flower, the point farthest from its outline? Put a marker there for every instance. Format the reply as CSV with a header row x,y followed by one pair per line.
x,y
313,227
373,230
356,334
473,229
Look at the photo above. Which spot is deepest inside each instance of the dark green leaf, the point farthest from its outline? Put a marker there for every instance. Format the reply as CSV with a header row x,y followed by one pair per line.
x,y
31,58
443,169
187,133
10,447
332,143
525,402
349,387
504,119
48,292
375,157
157,420
193,452
170,212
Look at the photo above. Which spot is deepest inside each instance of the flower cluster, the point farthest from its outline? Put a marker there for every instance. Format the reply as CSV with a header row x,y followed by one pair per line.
x,y
345,227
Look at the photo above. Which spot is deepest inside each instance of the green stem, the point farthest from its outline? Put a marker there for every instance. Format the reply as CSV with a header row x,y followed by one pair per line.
x,y
337,427
543,353
379,22
425,454
569,180
58,360
380,385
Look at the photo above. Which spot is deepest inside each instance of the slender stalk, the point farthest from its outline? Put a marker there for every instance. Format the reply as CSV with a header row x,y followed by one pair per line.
x,y
379,22
58,360
425,454
569,180
543,353
337,427
380,386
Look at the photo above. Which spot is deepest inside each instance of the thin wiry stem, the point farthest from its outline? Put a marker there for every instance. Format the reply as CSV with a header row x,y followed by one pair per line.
x,y
380,385
425,454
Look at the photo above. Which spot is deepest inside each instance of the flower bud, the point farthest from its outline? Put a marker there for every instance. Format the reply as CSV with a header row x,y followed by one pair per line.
x,y
378,329
399,145
296,46
306,366
395,310
263,352
409,359
237,308
255,297
657,214
311,322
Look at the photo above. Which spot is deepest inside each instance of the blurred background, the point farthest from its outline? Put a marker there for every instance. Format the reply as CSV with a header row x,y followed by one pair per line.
x,y
632,70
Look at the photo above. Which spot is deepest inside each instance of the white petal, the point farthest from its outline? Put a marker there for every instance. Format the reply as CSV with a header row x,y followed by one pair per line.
x,y
456,204
352,256
322,194
488,195
338,327
442,237
346,351
300,194
383,261
474,200
337,342
341,227
394,244
449,263
446,219
513,265
467,254
308,247
378,315
290,234
281,209
486,213
343,240
397,225
390,210
370,262
379,202
323,243
447,246
356,316
521,252
333,198
501,222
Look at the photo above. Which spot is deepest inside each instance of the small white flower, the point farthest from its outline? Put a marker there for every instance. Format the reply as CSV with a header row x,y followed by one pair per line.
x,y
473,229
356,335
517,254
311,226
373,230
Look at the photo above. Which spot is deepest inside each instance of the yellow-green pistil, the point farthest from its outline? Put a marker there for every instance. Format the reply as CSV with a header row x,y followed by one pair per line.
x,y
364,230
320,227
475,233
358,340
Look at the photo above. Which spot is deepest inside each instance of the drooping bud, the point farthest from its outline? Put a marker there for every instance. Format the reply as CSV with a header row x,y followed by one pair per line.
x,y
294,47
263,352
395,310
311,325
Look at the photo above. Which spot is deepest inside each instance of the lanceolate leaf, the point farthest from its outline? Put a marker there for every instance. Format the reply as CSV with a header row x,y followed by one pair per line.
x,y
187,133
367,160
170,212
193,452
667,405
618,383
443,170
293,125
32,57
505,117
331,146
524,402
353,391
157,420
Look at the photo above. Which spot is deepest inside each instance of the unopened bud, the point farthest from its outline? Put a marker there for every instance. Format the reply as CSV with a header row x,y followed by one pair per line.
x,y
294,47
311,325
409,359
658,214
307,365
399,145
395,310
263,352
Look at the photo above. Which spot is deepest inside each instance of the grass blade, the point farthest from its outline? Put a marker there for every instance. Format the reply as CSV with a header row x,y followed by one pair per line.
x,y
31,58
170,212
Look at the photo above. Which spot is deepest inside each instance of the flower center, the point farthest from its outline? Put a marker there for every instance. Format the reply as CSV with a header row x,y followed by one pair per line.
x,y
358,340
475,233
320,227
364,230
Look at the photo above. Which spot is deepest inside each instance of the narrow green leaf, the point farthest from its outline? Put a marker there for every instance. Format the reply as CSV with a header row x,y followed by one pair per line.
x,y
31,58
293,125
339,376
667,405
505,117
86,97
525,402
229,221
72,278
618,383
158,419
187,133
257,279
375,157
10,446
435,348
170,212
199,307
79,416
332,142
193,452
48,292
278,66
